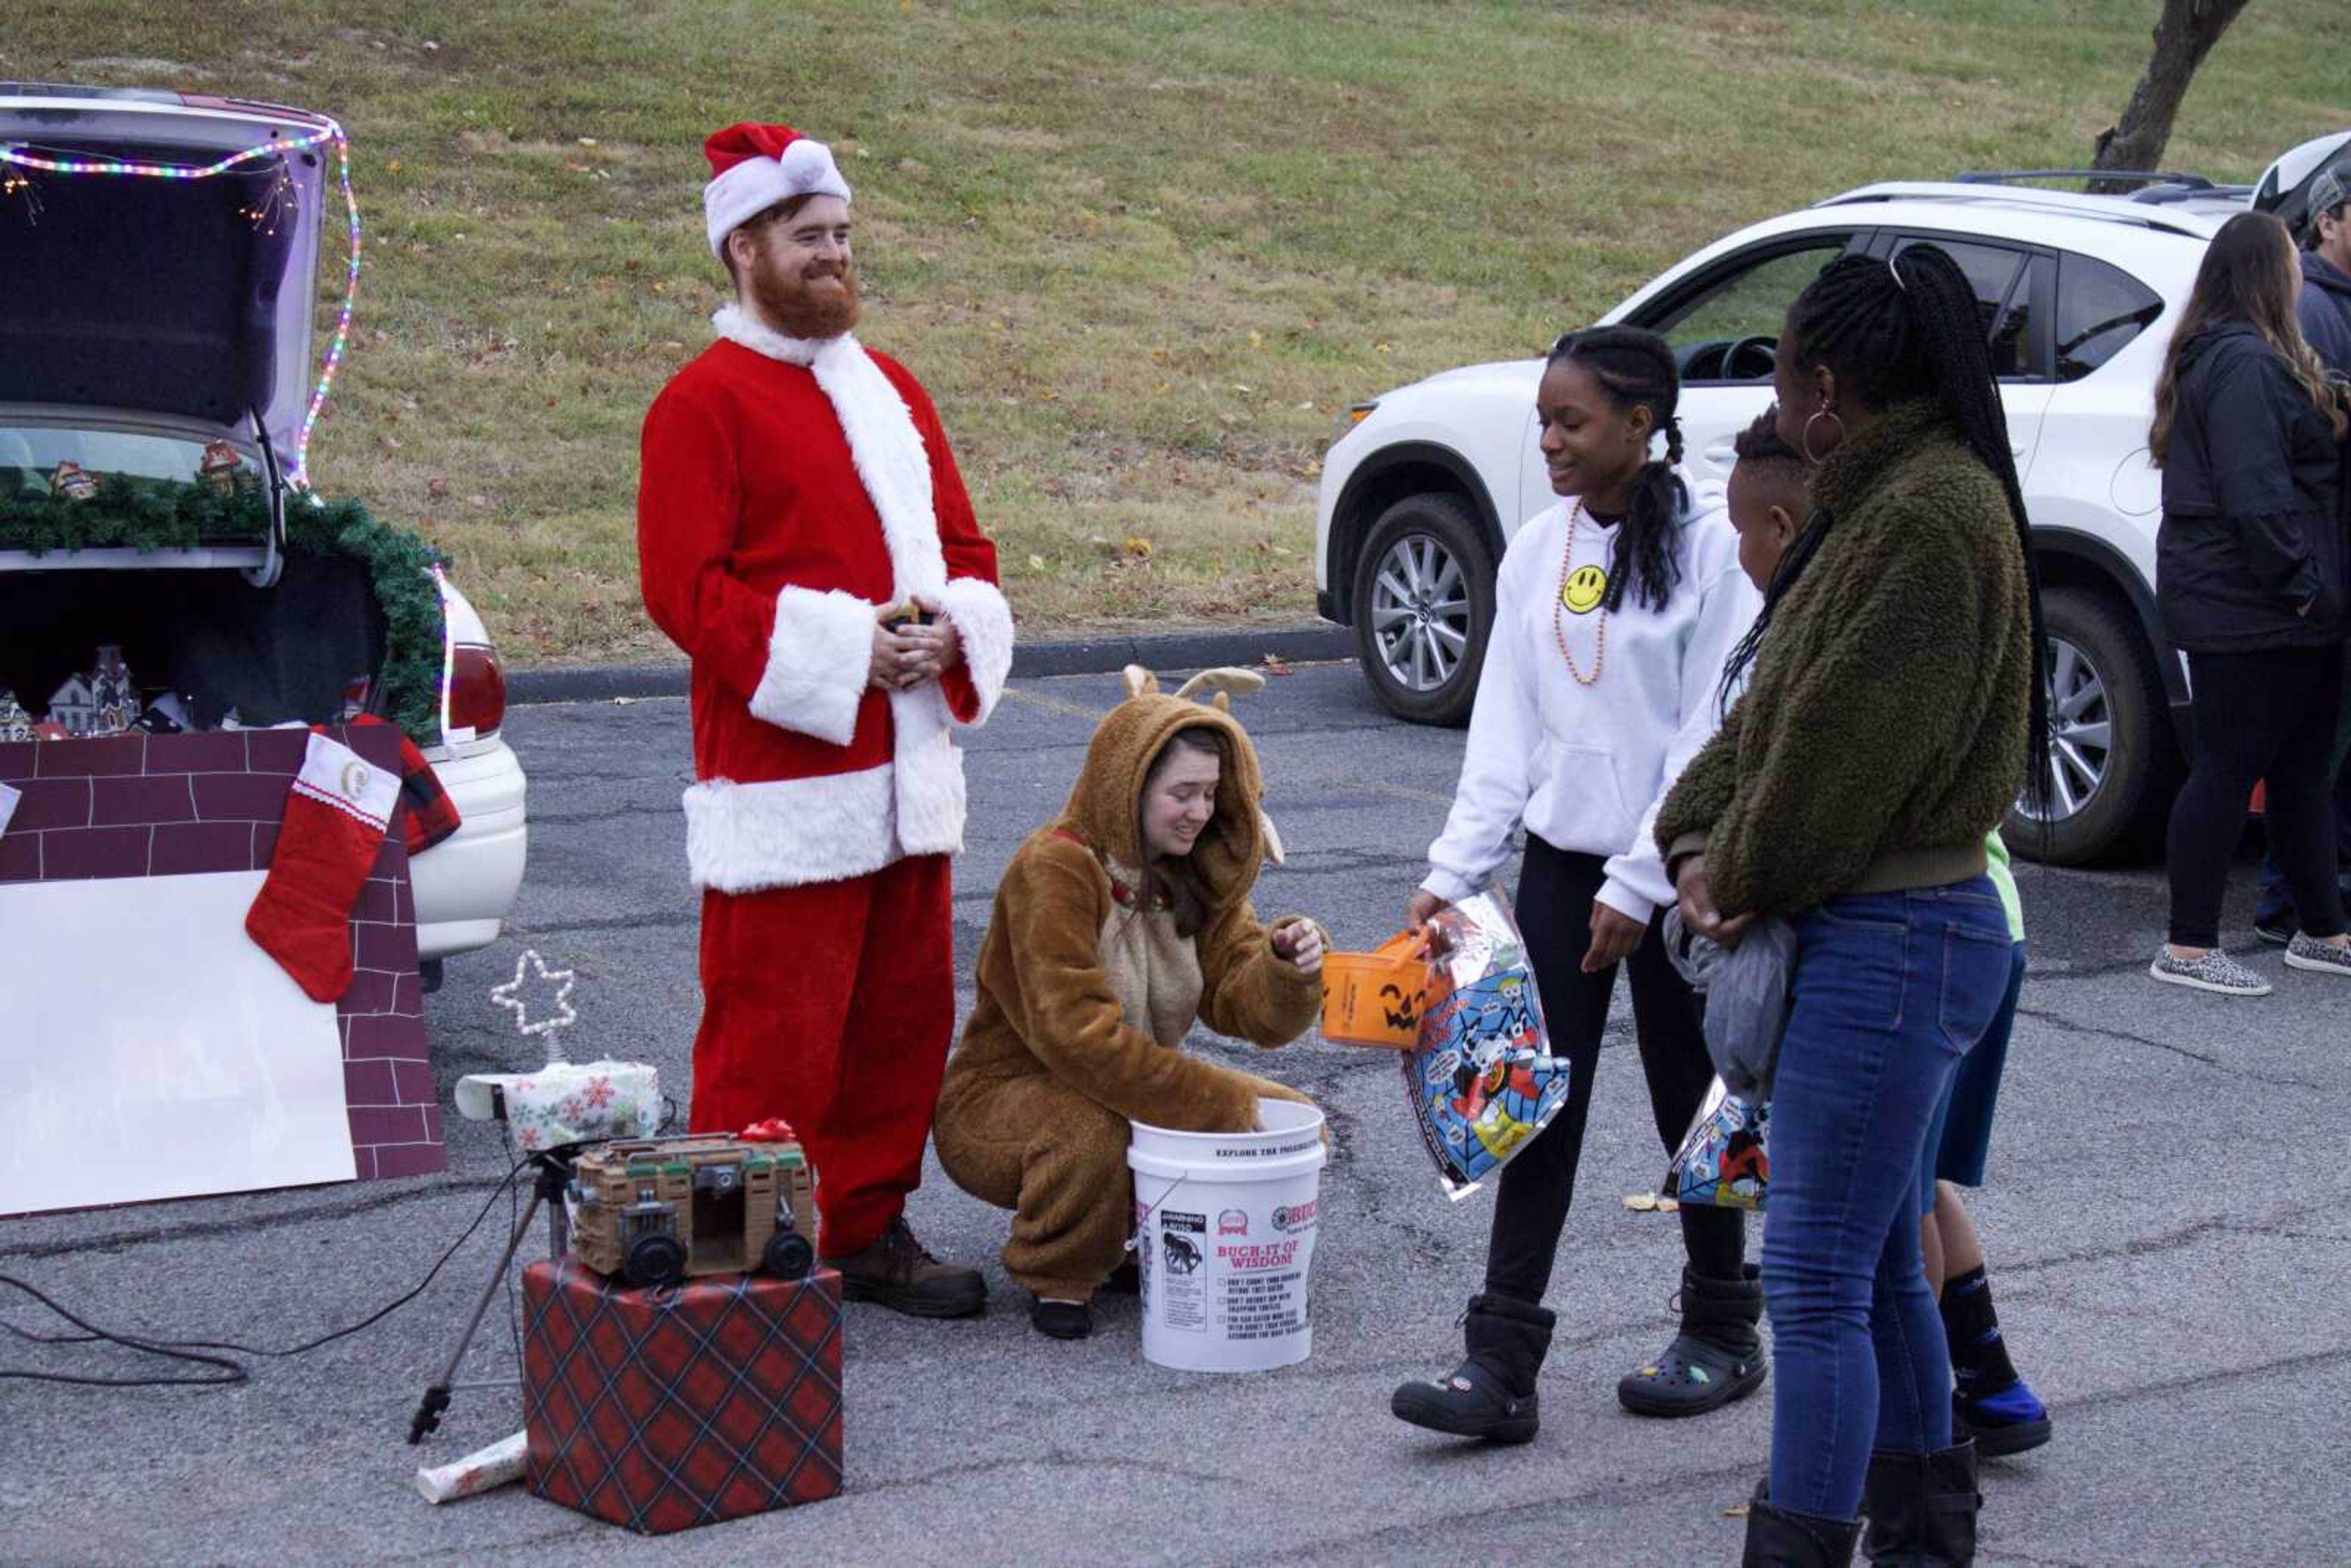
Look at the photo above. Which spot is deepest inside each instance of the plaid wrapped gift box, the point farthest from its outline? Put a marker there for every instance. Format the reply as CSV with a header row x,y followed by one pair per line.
x,y
665,1409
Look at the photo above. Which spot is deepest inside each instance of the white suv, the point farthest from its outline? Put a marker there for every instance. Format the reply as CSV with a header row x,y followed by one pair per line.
x,y
2078,295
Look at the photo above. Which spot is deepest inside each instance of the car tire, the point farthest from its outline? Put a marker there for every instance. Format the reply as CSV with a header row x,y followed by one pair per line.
x,y
2104,683
1424,605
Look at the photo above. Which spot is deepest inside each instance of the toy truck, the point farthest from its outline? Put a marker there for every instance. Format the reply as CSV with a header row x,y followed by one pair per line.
x,y
656,1210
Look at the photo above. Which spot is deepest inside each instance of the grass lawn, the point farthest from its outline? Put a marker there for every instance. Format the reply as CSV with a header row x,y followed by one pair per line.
x,y
1144,255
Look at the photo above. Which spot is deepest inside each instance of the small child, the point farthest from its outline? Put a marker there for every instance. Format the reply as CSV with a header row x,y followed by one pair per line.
x,y
1767,494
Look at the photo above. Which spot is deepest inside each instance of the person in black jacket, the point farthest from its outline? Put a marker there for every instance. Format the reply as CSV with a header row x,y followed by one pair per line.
x,y
2324,307
2324,313
2250,578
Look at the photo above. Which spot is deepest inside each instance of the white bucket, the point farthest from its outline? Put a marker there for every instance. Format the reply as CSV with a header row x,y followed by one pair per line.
x,y
1224,1227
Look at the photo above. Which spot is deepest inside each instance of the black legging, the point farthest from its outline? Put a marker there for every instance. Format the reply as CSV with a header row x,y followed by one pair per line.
x,y
2258,715
1554,909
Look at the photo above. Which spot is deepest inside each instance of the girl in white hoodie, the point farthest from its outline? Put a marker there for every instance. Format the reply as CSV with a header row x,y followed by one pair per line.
x,y
1614,611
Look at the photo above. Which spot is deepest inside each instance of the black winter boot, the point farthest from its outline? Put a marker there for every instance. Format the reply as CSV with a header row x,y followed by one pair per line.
x,y
1491,1393
1921,1508
1778,1539
1717,1356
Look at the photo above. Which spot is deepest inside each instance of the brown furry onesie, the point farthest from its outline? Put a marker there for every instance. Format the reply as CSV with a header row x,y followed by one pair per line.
x,y
1084,1002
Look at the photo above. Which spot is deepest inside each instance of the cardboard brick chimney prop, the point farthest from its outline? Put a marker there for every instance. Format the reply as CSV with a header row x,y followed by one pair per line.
x,y
167,805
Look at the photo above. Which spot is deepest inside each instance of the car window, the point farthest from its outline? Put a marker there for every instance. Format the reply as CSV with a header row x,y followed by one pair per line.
x,y
2099,310
1746,301
2003,301
30,456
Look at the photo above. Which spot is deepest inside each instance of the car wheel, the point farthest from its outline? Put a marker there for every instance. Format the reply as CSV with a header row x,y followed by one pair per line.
x,y
1424,605
2112,763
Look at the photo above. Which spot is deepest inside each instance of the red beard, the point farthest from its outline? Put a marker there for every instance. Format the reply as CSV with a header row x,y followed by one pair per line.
x,y
824,304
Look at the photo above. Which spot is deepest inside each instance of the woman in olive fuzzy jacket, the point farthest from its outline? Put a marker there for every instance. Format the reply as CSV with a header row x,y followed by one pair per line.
x,y
1884,732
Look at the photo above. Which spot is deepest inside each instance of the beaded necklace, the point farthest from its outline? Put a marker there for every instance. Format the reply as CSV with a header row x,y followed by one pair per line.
x,y
1559,602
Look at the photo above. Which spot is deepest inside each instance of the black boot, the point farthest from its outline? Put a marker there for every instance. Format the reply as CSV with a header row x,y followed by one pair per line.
x,y
1989,1401
1717,1356
1778,1539
1922,1508
1491,1393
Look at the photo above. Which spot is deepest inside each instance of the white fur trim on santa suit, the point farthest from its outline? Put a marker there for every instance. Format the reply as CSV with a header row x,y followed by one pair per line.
x,y
819,655
984,621
742,838
805,168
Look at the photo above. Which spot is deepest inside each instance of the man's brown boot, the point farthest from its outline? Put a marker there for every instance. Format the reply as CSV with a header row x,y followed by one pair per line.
x,y
896,1272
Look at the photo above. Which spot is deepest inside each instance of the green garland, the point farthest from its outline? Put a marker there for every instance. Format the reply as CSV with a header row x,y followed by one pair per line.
x,y
158,515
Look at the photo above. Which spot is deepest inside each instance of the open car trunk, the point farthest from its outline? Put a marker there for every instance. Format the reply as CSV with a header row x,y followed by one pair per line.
x,y
270,655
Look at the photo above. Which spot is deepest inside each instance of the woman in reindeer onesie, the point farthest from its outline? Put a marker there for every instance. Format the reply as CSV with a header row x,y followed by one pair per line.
x,y
1115,926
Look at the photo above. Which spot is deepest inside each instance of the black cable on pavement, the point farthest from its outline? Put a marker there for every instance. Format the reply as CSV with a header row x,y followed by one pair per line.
x,y
190,1349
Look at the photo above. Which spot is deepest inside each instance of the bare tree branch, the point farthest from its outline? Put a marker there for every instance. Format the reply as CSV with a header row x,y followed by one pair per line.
x,y
2184,35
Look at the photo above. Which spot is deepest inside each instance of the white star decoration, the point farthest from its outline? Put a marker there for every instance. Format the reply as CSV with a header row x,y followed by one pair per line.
x,y
511,997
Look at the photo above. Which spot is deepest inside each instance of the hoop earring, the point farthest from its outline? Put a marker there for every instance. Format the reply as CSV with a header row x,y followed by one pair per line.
x,y
1804,436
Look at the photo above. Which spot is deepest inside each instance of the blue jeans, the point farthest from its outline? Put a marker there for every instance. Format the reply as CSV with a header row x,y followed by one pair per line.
x,y
1890,990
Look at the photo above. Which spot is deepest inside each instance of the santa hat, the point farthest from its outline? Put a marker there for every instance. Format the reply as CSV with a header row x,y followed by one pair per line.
x,y
753,167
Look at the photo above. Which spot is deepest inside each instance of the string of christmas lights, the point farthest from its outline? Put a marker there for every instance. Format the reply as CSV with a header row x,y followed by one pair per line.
x,y
19,155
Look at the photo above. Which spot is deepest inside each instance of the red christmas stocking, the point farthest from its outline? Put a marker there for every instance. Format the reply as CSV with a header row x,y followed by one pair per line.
x,y
335,820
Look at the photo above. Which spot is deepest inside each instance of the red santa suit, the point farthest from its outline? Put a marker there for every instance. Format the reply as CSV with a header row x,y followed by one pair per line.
x,y
792,489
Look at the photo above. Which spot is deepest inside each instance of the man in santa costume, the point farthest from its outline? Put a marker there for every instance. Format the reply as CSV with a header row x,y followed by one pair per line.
x,y
797,500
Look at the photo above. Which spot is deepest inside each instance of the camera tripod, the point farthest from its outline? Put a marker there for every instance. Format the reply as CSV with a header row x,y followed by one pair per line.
x,y
555,1172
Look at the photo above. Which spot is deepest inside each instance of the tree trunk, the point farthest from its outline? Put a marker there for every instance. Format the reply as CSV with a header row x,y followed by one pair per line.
x,y
2184,35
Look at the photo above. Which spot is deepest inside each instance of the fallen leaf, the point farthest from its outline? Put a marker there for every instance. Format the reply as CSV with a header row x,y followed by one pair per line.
x,y
1138,547
1257,340
1379,348
1036,563
393,167
1641,1202
389,443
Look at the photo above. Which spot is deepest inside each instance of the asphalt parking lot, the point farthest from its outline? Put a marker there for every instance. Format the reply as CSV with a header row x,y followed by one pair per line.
x,y
2169,1260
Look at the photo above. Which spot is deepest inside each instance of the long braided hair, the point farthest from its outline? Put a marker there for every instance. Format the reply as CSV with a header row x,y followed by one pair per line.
x,y
1635,369
1894,331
